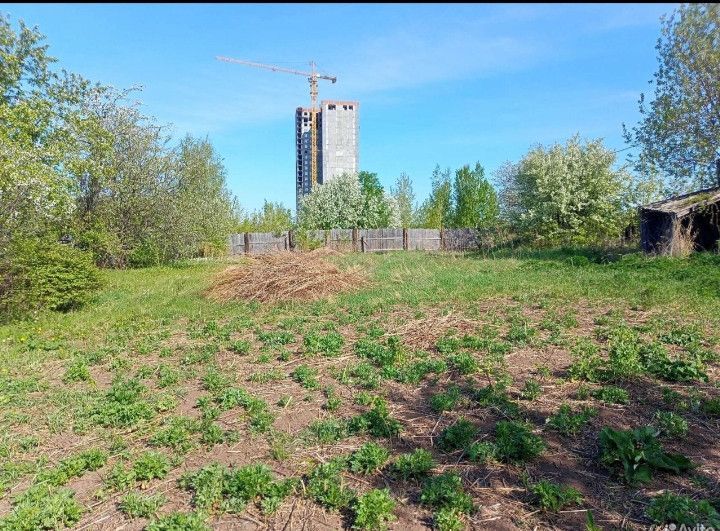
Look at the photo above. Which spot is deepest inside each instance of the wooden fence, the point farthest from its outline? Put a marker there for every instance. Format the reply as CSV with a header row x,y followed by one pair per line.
x,y
358,240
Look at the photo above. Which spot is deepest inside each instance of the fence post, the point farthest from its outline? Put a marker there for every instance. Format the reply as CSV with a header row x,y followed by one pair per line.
x,y
362,244
291,240
246,241
442,239
405,239
355,240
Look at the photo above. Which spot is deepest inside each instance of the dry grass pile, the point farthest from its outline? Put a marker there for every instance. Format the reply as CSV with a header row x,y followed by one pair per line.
x,y
285,276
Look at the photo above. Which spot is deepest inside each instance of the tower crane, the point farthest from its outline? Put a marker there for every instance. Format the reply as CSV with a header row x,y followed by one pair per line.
x,y
312,77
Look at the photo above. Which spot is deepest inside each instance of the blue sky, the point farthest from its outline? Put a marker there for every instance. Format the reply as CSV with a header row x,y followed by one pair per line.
x,y
447,84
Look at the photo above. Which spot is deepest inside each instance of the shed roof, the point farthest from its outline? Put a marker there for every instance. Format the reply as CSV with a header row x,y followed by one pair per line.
x,y
684,204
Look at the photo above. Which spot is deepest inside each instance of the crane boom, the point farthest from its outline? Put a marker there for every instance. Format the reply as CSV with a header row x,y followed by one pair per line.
x,y
312,77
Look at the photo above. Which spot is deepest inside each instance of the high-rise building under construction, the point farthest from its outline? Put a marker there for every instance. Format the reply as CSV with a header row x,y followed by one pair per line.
x,y
337,133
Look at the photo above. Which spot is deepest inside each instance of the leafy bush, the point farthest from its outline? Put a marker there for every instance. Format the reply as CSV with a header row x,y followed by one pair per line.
x,y
481,452
553,497
638,452
515,442
374,510
587,363
45,275
413,465
457,436
368,458
669,508
448,519
446,491
306,376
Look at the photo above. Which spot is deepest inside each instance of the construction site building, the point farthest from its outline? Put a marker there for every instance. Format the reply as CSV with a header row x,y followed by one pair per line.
x,y
337,134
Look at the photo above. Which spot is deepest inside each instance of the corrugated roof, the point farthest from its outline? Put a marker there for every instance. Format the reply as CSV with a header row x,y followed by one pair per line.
x,y
684,204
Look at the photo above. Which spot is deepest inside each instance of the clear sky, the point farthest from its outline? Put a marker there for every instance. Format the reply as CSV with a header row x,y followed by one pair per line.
x,y
447,84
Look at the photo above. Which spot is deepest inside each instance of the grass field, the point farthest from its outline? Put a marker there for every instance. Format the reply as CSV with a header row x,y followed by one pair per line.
x,y
551,389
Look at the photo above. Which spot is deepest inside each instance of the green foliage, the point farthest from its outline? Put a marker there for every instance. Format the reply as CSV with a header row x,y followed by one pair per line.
x,y
671,424
446,491
136,505
377,421
404,197
325,485
553,497
367,459
447,400
328,430
448,519
329,344
569,423
457,436
215,486
43,507
176,434
124,405
515,442
475,200
306,376
612,395
151,465
481,452
463,362
177,521
276,339
273,217
39,274
671,143
241,347
374,510
566,194
531,390
379,354
416,464
437,210
670,508
638,452
587,363
73,467
77,371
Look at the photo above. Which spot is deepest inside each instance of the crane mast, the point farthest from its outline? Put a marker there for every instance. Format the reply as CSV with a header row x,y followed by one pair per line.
x,y
313,76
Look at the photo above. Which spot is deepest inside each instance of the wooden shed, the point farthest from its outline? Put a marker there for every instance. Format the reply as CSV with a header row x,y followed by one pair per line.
x,y
689,220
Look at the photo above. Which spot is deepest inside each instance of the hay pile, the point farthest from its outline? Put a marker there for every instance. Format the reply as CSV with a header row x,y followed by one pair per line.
x,y
285,276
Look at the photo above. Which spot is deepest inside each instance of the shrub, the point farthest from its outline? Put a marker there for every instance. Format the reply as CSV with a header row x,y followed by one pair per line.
x,y
446,491
669,508
481,452
374,510
413,465
45,275
638,453
587,363
515,442
457,436
368,458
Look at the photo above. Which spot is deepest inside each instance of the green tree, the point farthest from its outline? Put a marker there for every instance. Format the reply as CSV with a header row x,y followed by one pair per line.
x,y
679,133
379,210
273,217
567,194
436,211
475,200
405,199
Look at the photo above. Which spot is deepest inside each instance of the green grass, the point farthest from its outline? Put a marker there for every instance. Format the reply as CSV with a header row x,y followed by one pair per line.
x,y
147,377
